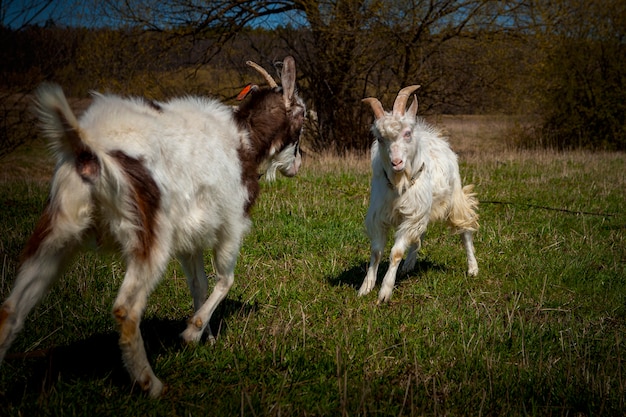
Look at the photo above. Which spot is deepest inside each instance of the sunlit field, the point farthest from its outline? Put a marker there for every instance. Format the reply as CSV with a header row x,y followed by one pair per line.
x,y
540,331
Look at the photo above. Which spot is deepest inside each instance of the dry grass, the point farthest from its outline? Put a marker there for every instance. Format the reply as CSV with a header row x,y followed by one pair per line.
x,y
470,135
33,163
475,138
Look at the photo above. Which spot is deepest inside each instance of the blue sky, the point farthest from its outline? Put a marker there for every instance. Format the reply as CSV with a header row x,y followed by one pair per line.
x,y
18,13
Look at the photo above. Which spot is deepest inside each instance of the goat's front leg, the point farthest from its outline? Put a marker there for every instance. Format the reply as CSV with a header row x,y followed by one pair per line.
x,y
378,237
225,255
141,277
397,253
372,271
193,267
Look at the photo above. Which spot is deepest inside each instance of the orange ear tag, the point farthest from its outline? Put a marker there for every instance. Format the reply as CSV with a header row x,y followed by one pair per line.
x,y
244,92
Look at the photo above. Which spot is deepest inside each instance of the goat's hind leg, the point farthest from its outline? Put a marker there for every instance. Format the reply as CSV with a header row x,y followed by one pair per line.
x,y
463,219
467,238
141,276
411,257
55,240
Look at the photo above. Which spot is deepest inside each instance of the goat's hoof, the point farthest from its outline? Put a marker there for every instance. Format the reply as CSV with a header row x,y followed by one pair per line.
x,y
191,335
383,297
383,301
472,272
156,388
361,293
407,268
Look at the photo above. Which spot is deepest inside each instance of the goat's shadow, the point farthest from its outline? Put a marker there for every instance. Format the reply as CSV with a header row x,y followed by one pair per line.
x,y
98,356
354,276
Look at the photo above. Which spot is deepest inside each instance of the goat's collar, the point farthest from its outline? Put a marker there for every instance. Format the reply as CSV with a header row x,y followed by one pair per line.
x,y
413,178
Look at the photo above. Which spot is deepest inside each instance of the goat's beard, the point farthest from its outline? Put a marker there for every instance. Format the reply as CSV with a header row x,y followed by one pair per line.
x,y
287,162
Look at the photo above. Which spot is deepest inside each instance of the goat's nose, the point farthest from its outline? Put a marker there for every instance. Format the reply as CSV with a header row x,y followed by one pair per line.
x,y
397,163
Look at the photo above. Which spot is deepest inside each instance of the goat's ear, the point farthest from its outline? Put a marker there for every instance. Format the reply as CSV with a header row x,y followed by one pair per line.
x,y
413,107
288,78
377,108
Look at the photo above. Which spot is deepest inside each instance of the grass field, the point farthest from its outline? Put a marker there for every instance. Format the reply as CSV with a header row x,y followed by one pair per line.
x,y
540,331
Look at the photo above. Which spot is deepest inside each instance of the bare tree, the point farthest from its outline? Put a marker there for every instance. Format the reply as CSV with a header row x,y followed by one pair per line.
x,y
348,48
29,56
18,13
374,48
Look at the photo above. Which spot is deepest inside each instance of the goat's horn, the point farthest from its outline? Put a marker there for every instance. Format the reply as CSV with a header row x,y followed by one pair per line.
x,y
376,106
399,105
270,80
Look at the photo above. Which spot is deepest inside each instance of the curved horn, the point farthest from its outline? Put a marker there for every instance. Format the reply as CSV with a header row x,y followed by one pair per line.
x,y
264,73
400,104
376,106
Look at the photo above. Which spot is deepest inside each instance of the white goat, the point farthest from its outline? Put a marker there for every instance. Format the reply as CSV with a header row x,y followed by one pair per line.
x,y
415,179
155,180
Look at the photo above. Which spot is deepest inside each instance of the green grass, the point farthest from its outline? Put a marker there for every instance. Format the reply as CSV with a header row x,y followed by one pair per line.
x,y
540,331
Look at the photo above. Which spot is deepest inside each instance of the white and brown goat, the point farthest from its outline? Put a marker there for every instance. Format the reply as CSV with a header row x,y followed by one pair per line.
x,y
415,180
154,181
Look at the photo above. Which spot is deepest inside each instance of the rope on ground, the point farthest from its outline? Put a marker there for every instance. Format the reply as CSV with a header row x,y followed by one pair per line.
x,y
537,206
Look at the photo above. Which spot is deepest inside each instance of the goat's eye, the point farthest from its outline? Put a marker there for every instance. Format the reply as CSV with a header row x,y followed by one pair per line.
x,y
407,135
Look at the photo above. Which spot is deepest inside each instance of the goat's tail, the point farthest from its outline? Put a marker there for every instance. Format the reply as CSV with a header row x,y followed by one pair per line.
x,y
463,215
60,126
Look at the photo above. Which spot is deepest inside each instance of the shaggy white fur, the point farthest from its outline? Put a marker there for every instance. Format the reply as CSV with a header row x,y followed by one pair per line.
x,y
153,181
415,180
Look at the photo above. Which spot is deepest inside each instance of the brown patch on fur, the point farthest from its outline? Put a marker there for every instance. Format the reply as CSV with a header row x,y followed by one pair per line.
x,y
128,332
396,257
120,314
145,201
128,327
42,230
198,323
249,177
5,313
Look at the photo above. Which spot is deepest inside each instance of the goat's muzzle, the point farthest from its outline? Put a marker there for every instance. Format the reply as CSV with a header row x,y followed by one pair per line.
x,y
397,165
